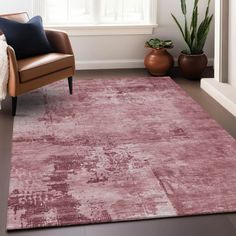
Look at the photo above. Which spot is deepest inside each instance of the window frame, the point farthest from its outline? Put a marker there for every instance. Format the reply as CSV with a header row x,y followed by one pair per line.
x,y
102,29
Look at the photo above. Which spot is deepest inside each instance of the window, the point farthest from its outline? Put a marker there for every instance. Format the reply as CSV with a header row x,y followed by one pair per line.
x,y
96,12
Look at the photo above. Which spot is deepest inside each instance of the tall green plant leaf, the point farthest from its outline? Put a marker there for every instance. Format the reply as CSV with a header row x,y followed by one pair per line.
x,y
195,14
208,8
184,7
187,34
188,50
202,27
178,24
194,23
196,3
202,37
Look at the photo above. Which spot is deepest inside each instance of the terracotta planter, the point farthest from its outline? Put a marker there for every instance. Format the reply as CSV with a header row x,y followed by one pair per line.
x,y
193,66
158,62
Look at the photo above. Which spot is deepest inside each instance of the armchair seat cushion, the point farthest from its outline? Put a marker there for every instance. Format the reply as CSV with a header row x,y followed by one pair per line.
x,y
38,66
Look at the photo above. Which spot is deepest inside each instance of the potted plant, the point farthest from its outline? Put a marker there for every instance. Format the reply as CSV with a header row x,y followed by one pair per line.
x,y
192,60
159,61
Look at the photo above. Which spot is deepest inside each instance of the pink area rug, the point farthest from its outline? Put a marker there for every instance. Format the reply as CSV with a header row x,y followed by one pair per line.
x,y
117,150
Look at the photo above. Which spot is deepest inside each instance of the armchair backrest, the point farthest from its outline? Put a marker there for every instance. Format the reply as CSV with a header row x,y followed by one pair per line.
x,y
20,17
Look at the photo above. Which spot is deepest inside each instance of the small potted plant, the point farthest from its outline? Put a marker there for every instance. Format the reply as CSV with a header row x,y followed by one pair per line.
x,y
192,60
159,61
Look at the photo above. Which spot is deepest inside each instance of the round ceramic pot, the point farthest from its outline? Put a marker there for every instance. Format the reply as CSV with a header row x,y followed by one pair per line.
x,y
192,66
158,62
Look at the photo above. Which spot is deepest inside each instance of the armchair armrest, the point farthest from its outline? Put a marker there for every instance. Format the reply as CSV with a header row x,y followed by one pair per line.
x,y
59,41
14,81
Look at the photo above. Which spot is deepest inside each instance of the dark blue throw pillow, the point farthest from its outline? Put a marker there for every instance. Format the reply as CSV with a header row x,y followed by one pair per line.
x,y
27,39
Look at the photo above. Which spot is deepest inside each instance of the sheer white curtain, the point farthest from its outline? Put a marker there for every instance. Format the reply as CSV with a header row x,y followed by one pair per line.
x,y
94,12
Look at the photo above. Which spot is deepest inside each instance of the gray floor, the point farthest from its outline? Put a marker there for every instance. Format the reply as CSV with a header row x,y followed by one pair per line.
x,y
212,225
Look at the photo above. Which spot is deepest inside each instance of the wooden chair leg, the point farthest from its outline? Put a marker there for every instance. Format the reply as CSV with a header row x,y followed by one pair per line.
x,y
14,105
70,83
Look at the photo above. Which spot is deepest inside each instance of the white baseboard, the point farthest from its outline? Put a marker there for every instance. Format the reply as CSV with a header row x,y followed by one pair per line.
x,y
223,93
109,64
118,64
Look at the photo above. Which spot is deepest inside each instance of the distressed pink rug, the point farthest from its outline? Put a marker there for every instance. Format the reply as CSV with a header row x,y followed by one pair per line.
x,y
117,150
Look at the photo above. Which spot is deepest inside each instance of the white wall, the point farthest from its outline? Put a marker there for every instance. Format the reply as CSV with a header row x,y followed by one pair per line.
x,y
232,40
121,50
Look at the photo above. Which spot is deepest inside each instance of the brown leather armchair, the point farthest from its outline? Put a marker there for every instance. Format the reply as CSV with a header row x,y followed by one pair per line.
x,y
32,73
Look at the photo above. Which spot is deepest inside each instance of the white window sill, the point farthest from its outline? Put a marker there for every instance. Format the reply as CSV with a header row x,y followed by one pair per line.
x,y
74,30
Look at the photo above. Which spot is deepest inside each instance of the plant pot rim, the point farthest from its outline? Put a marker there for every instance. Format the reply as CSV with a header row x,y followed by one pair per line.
x,y
193,55
159,48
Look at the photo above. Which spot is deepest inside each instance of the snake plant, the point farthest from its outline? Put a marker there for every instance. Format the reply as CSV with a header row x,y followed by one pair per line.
x,y
195,34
